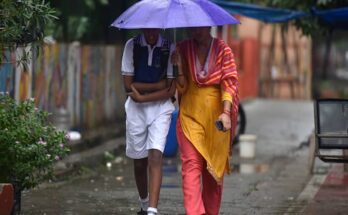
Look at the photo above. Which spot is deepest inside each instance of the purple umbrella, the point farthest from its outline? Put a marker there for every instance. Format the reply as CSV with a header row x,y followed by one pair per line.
x,y
173,14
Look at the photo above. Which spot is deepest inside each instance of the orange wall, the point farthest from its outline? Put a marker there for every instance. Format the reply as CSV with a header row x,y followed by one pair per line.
x,y
246,52
250,61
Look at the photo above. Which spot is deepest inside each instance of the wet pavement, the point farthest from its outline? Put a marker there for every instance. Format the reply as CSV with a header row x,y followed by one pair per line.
x,y
105,189
268,184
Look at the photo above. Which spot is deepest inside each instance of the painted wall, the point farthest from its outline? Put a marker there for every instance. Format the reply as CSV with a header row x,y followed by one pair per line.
x,y
84,80
275,80
261,65
246,53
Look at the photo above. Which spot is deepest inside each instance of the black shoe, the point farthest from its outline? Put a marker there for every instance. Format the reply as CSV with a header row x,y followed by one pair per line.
x,y
141,212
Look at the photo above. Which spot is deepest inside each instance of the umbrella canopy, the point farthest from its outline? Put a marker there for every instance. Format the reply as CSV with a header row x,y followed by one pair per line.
x,y
173,14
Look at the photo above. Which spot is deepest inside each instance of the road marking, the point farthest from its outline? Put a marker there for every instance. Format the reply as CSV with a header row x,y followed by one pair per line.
x,y
308,194
311,188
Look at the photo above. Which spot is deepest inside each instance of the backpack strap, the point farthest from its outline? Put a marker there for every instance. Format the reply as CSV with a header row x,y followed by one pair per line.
x,y
165,52
136,51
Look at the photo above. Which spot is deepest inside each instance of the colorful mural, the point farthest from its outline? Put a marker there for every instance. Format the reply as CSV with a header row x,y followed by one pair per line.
x,y
7,72
83,80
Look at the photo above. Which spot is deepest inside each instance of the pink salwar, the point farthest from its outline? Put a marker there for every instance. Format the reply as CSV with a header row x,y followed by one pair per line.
x,y
202,194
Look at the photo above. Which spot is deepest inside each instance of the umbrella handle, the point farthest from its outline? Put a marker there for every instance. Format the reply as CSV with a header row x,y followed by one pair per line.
x,y
175,71
174,35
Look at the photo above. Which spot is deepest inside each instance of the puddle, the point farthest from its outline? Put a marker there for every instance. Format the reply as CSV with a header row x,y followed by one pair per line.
x,y
245,168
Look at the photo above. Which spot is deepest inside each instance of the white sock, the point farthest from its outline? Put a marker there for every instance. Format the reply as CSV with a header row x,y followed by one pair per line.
x,y
144,203
151,211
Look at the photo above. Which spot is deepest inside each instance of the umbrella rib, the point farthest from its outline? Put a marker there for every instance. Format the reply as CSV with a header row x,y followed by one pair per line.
x,y
165,20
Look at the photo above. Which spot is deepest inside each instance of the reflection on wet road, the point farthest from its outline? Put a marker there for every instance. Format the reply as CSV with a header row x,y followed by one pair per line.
x,y
107,189
247,168
110,189
267,184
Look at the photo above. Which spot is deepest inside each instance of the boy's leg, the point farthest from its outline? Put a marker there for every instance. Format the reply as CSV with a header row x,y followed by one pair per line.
x,y
140,174
155,176
136,134
156,141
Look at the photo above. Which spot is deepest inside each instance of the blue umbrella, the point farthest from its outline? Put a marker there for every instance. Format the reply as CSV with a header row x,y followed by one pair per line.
x,y
173,14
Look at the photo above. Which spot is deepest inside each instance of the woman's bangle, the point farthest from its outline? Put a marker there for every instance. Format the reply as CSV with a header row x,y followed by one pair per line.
x,y
228,112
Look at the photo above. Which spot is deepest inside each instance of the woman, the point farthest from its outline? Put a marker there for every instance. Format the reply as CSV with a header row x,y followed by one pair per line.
x,y
207,84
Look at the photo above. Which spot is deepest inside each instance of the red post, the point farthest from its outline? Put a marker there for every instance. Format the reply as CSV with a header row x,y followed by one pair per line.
x,y
6,199
250,68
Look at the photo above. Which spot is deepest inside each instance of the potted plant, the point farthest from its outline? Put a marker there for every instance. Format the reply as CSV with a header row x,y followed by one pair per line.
x,y
29,145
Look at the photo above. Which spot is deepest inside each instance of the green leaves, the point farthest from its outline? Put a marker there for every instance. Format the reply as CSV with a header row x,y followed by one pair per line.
x,y
23,22
78,26
324,2
29,146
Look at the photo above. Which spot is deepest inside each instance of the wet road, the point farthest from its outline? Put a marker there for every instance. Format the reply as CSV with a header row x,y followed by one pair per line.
x,y
106,189
268,184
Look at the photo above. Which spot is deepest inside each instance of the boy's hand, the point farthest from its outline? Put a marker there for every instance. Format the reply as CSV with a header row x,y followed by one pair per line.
x,y
162,84
135,95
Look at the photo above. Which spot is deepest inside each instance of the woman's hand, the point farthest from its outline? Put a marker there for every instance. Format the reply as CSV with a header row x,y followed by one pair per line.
x,y
226,121
175,58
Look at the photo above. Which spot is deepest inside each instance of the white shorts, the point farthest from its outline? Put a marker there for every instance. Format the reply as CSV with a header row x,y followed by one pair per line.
x,y
147,126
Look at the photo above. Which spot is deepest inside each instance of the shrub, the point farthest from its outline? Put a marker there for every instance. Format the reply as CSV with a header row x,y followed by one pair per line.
x,y
29,145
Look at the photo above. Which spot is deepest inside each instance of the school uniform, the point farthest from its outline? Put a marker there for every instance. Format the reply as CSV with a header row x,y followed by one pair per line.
x,y
147,124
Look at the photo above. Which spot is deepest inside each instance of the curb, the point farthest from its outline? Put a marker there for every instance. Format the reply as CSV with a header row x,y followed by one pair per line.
x,y
95,137
90,150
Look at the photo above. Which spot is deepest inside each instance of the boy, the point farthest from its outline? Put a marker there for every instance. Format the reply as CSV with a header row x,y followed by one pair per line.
x,y
148,80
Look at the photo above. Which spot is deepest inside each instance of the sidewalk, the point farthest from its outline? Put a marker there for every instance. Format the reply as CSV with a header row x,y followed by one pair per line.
x,y
325,193
332,196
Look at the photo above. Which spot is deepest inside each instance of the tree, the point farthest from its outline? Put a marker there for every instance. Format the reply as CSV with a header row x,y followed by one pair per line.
x,y
88,20
23,22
